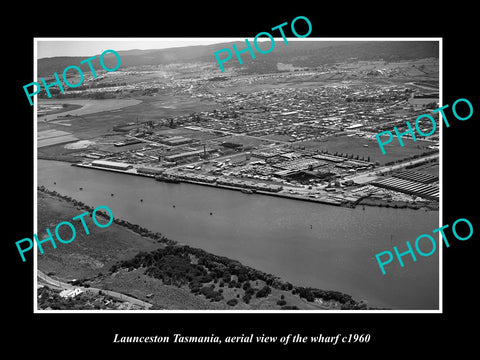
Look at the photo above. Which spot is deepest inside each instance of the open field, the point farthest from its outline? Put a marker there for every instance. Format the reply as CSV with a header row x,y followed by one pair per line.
x,y
101,117
44,109
92,125
87,255
85,107
53,137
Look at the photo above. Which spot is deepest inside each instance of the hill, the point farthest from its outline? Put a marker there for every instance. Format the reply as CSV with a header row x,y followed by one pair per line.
x,y
300,53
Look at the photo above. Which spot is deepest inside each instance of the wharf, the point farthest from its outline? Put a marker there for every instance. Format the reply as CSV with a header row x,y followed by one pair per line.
x,y
322,200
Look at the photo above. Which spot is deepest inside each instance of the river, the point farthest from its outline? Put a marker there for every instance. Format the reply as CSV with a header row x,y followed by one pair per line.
x,y
307,244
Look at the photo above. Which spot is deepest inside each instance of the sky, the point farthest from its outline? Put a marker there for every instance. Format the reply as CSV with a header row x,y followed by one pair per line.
x,y
50,47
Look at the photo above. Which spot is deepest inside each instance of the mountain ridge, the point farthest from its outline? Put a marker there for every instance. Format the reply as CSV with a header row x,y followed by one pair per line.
x,y
301,53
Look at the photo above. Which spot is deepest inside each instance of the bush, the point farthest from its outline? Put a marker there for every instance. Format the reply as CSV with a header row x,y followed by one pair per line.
x,y
263,292
210,293
232,302
250,291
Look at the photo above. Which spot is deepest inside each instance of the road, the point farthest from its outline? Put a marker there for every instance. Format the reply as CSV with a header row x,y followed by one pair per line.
x,y
116,295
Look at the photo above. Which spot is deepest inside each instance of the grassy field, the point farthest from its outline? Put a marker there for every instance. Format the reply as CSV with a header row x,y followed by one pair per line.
x,y
89,125
81,107
87,255
100,119
51,108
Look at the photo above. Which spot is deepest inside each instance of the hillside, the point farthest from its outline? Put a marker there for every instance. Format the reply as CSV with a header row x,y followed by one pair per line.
x,y
302,54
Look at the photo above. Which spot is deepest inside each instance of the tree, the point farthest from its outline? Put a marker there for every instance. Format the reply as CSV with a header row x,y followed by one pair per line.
x,y
263,292
246,298
232,302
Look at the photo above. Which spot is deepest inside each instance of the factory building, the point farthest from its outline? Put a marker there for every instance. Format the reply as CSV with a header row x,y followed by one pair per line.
x,y
423,178
149,170
111,164
176,140
409,187
186,155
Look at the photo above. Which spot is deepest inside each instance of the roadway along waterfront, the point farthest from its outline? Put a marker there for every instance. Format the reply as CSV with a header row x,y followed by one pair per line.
x,y
307,244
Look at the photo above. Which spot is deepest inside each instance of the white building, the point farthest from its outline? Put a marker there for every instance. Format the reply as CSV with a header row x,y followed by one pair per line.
x,y
71,293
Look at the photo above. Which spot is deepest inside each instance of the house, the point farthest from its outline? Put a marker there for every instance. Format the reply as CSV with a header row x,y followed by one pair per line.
x,y
70,293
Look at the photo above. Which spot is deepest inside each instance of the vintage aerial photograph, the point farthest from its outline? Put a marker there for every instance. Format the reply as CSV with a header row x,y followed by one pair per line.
x,y
258,188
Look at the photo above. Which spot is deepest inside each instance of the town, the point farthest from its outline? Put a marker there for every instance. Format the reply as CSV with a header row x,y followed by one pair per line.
x,y
306,142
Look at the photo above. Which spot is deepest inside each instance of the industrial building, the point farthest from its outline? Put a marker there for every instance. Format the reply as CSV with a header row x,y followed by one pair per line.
x,y
409,187
175,140
149,170
186,155
127,142
300,164
111,164
416,176
328,157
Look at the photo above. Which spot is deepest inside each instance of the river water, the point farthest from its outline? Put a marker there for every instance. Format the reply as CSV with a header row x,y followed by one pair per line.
x,y
307,244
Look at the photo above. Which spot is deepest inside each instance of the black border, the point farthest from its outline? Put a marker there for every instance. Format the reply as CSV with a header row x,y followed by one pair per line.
x,y
408,334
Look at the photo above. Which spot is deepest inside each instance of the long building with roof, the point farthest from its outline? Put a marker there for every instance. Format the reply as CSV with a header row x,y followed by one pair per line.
x,y
416,176
427,191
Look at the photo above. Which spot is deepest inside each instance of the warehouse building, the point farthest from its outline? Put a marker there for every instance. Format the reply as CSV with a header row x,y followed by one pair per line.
x,y
149,170
111,164
409,187
186,155
423,178
176,140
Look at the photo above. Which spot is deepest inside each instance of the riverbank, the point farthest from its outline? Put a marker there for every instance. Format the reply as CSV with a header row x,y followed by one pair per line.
x,y
220,282
431,206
